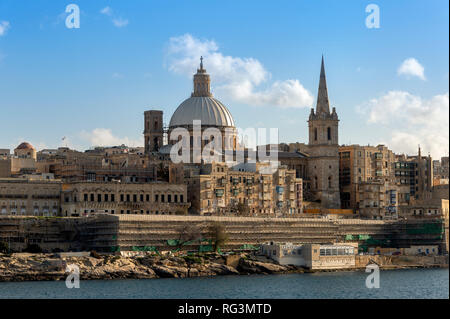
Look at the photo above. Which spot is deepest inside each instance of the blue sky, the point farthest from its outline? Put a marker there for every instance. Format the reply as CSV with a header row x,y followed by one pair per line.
x,y
93,84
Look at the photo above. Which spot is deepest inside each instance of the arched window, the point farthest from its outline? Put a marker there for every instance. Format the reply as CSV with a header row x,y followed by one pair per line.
x,y
329,133
315,182
315,134
329,181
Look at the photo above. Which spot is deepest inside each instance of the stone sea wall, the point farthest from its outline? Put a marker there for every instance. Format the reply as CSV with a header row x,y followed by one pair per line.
x,y
109,233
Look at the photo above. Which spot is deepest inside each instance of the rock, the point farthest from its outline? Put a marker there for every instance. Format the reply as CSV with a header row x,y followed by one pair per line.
x,y
220,269
232,260
257,267
164,272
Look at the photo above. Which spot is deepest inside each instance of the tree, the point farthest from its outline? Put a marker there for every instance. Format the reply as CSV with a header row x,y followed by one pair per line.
x,y
218,235
188,232
242,209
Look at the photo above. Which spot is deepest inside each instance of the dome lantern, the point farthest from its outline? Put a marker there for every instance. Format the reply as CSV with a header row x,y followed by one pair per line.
x,y
202,82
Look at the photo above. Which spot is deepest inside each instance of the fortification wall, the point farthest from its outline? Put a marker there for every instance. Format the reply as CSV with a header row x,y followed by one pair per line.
x,y
109,233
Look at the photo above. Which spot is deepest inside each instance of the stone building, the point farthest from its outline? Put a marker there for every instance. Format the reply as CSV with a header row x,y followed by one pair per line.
x,y
243,190
313,256
25,150
27,197
87,198
102,164
359,164
23,161
415,172
5,167
378,199
323,148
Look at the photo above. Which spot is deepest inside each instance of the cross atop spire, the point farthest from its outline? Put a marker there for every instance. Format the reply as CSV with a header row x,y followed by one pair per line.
x,y
323,105
201,62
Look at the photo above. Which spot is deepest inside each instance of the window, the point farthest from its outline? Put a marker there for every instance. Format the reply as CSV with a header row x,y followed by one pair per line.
x,y
156,197
315,134
92,197
99,198
106,197
181,199
162,198
113,199
329,133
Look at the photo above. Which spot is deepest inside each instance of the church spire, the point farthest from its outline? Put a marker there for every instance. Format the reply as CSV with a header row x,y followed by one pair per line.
x,y
202,82
323,106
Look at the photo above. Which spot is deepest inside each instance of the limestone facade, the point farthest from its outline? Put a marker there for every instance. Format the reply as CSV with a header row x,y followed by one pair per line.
x,y
29,197
359,164
87,198
378,199
218,189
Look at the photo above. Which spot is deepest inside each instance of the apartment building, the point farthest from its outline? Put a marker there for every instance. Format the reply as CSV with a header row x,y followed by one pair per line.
x,y
246,189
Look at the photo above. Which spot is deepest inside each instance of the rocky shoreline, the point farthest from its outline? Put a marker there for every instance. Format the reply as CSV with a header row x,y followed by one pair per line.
x,y
41,267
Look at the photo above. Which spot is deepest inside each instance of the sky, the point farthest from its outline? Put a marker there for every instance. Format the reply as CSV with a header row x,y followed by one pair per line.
x,y
91,85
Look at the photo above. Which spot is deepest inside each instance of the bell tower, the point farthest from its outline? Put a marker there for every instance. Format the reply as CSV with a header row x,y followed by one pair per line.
x,y
323,163
153,130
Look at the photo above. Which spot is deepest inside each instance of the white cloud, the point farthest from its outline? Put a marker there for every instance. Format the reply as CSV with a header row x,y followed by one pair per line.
x,y
105,137
117,21
4,26
412,67
117,75
235,77
106,11
412,121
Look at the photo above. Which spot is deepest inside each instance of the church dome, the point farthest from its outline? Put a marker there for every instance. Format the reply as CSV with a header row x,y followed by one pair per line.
x,y
210,111
202,105
25,146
